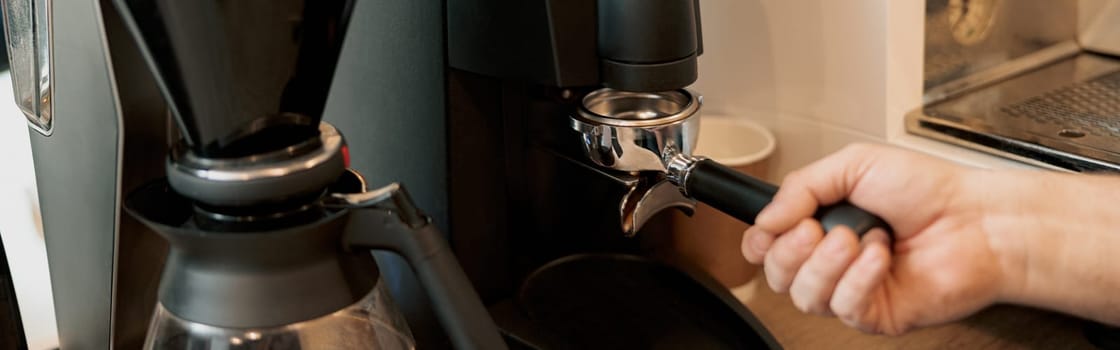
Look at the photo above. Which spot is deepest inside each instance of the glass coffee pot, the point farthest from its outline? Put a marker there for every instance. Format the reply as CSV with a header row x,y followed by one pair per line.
x,y
302,278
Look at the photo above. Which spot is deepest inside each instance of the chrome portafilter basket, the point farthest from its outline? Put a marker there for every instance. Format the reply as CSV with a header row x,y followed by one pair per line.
x,y
653,135
638,131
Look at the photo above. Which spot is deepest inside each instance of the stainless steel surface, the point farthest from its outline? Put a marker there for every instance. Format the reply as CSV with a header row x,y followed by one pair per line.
x,y
649,197
296,158
78,180
1064,115
638,109
1000,72
678,167
647,134
1025,85
297,170
644,195
27,27
964,37
637,131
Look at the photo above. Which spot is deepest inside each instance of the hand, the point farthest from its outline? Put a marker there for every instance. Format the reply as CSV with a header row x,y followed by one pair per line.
x,y
942,266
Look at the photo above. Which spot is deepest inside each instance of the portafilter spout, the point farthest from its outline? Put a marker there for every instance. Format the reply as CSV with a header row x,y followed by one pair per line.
x,y
656,133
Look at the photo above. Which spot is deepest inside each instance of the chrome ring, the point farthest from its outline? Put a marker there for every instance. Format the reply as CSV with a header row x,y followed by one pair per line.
x,y
297,170
685,102
299,157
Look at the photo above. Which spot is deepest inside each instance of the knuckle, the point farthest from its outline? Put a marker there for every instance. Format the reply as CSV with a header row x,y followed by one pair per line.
x,y
793,178
801,303
891,330
856,148
776,285
807,296
776,278
788,256
842,308
747,253
745,245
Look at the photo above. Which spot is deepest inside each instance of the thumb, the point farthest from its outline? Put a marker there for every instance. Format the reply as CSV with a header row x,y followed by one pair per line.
x,y
826,181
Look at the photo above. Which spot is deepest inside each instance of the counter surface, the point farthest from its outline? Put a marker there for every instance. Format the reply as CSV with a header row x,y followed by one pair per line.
x,y
998,327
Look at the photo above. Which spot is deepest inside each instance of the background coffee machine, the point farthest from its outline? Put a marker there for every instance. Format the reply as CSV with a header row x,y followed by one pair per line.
x,y
1034,81
466,101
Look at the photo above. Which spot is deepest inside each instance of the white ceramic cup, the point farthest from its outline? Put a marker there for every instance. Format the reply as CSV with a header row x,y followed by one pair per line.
x,y
710,240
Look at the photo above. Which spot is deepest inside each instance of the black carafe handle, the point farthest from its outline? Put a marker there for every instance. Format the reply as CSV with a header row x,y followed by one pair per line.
x,y
393,224
743,197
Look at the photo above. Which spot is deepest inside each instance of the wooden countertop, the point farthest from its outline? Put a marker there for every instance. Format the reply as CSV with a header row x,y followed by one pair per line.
x,y
999,327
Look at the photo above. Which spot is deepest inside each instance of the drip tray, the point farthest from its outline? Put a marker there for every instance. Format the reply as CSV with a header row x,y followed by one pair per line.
x,y
1065,115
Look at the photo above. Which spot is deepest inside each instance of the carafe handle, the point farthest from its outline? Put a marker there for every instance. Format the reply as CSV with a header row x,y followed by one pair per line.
x,y
386,219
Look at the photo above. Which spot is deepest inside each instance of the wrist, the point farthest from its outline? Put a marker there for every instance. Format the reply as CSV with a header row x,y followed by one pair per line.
x,y
1003,223
1053,236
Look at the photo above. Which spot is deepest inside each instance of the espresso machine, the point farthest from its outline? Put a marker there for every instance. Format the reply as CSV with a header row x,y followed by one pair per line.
x,y
542,137
1033,81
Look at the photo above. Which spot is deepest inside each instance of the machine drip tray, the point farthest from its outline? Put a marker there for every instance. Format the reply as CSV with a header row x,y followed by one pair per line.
x,y
1064,115
609,301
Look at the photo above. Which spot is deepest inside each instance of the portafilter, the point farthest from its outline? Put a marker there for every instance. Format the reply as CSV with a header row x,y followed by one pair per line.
x,y
643,132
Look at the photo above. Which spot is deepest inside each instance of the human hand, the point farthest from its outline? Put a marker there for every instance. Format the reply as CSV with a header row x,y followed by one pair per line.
x,y
942,266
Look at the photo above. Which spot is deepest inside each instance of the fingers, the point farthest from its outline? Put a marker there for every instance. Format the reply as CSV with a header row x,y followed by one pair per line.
x,y
788,252
823,182
755,244
852,298
814,283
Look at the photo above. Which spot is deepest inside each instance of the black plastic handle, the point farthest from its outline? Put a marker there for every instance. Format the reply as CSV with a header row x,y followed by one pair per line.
x,y
743,197
458,306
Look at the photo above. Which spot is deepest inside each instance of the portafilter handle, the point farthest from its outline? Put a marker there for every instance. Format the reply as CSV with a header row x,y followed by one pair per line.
x,y
743,196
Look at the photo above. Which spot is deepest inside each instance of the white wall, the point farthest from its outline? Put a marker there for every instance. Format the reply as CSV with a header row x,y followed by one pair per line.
x,y
21,227
820,73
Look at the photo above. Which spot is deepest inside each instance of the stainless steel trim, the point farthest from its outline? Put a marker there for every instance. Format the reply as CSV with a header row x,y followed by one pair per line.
x,y
1000,72
915,119
119,174
966,37
637,134
638,109
219,217
679,167
33,90
1025,88
650,196
293,159
300,170
1063,115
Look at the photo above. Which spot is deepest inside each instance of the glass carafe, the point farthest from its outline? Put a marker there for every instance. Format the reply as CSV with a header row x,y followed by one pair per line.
x,y
371,323
311,284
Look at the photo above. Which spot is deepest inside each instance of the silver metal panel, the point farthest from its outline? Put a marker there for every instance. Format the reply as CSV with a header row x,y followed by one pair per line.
x,y
963,37
1015,78
1066,115
76,171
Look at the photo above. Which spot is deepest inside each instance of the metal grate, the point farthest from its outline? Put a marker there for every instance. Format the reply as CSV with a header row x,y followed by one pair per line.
x,y
1092,106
